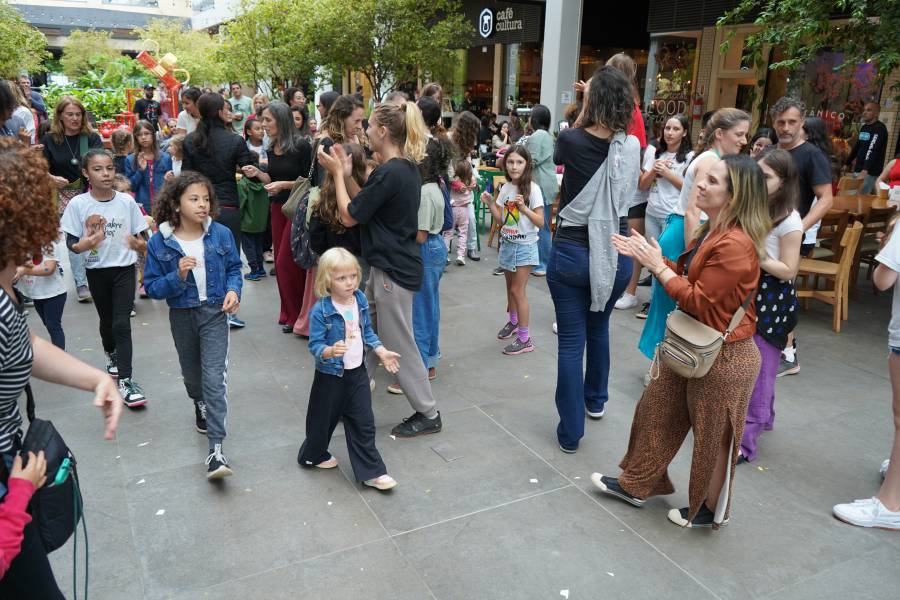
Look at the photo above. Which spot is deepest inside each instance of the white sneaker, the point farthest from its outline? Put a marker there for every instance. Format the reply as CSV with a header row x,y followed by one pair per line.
x,y
626,301
867,513
884,468
460,261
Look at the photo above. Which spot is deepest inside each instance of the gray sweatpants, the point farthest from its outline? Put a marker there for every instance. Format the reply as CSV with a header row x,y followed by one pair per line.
x,y
391,308
201,339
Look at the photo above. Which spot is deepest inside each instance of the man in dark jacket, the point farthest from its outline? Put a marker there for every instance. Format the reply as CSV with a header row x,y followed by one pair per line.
x,y
867,156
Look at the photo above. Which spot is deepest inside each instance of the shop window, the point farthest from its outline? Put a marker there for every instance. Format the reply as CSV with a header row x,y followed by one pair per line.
x,y
670,80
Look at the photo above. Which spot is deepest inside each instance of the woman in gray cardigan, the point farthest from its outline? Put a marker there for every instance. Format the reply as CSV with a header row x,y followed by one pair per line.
x,y
585,273
540,145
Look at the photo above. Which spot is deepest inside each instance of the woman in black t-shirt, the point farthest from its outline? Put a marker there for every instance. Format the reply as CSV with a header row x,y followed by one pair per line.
x,y
25,192
387,209
289,158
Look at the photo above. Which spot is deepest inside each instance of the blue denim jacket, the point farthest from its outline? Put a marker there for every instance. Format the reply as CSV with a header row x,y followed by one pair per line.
x,y
140,179
326,327
223,267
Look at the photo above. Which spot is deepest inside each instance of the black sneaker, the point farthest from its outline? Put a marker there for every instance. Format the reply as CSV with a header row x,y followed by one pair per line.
x,y
507,331
132,394
200,415
642,314
498,271
473,255
416,425
610,485
217,465
519,347
704,517
788,368
112,368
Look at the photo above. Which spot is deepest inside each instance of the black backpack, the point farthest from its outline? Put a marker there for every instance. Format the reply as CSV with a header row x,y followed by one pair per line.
x,y
448,209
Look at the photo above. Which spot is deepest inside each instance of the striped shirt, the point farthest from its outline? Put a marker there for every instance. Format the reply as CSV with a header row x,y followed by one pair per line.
x,y
16,358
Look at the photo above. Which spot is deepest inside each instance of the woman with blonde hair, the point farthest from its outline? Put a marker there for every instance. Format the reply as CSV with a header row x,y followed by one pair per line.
x,y
713,283
387,209
69,139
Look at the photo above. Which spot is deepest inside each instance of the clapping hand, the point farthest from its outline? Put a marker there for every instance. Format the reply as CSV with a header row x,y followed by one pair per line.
x,y
388,359
335,162
95,228
636,246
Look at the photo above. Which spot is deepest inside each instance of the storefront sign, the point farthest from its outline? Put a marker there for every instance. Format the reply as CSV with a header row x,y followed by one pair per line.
x,y
503,22
661,109
486,23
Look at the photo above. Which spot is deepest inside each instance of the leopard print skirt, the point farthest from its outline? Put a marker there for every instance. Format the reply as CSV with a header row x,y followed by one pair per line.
x,y
714,407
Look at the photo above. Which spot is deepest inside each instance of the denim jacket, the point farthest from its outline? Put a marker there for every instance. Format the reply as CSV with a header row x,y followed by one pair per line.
x,y
326,327
140,178
223,267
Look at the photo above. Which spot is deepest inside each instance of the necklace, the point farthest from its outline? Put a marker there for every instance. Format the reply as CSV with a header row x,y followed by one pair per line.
x,y
73,161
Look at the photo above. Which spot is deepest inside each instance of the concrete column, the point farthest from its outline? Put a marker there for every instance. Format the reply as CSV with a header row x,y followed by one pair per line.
x,y
562,43
497,101
511,78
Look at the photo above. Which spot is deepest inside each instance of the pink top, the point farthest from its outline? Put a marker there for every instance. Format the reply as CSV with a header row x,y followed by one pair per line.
x,y
13,519
460,193
352,335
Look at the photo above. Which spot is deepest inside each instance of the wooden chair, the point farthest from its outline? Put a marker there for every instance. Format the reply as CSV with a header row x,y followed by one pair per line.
x,y
837,273
831,228
849,185
874,222
554,208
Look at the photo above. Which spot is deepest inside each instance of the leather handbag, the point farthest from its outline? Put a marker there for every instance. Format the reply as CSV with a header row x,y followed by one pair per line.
x,y
300,189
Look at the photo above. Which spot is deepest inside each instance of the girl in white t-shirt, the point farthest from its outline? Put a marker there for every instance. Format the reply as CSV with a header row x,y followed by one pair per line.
x,y
776,299
108,228
519,209
42,282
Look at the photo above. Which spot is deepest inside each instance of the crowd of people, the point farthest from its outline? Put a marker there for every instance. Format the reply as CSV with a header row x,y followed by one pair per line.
x,y
357,211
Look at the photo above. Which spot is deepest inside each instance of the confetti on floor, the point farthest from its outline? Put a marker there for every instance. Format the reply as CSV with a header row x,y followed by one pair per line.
x,y
533,480
142,444
160,512
141,481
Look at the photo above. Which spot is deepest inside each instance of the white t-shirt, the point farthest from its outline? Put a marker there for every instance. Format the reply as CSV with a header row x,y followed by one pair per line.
x,y
27,118
664,198
641,196
41,287
187,122
517,228
890,257
194,249
689,175
123,218
792,222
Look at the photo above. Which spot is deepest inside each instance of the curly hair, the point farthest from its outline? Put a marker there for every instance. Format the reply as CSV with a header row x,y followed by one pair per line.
x,y
438,153
465,134
326,209
169,199
609,100
28,218
333,124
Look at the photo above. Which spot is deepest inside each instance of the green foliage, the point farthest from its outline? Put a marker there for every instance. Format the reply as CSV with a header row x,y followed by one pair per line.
x,y
197,51
868,31
87,54
104,104
22,47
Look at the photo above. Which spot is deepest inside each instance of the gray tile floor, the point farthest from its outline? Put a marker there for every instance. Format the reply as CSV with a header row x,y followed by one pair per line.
x,y
489,508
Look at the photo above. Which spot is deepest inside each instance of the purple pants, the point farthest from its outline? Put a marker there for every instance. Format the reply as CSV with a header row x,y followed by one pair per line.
x,y
761,410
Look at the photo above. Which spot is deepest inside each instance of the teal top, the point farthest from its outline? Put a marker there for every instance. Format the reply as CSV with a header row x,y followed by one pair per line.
x,y
540,145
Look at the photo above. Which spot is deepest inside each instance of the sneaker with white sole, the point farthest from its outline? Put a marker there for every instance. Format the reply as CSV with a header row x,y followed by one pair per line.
x,y
83,293
610,485
519,347
645,310
217,465
884,468
507,331
395,388
704,518
788,368
626,301
460,261
132,394
383,483
867,513
112,368
595,414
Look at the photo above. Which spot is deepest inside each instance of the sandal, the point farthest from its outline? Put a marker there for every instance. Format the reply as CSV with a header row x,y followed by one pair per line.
x,y
383,483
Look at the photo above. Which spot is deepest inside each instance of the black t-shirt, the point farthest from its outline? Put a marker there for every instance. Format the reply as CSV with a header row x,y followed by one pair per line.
x,y
814,169
60,155
148,110
288,167
387,207
582,154
869,150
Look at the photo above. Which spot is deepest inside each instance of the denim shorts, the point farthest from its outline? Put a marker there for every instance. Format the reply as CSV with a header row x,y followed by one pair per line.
x,y
514,255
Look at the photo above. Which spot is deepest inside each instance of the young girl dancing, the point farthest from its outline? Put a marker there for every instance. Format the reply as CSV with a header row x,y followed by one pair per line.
x,y
340,332
460,197
520,211
104,224
42,281
147,168
193,263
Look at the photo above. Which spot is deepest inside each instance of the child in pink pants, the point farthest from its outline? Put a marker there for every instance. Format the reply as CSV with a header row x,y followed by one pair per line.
x,y
460,198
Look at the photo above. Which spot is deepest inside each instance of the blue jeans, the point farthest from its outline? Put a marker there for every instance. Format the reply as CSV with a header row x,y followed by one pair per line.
x,y
76,263
426,306
545,242
51,311
569,281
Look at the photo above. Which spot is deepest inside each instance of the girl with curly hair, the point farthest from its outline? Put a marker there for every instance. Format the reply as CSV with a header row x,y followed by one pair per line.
x,y
28,224
465,140
193,263
107,227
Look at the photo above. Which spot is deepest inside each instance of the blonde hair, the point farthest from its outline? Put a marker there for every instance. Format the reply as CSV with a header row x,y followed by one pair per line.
x,y
405,127
749,205
334,258
58,129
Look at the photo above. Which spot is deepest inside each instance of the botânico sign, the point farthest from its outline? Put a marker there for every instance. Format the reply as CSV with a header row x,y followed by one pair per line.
x,y
503,23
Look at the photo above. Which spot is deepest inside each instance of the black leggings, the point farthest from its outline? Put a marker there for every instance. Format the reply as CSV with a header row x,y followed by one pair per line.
x,y
112,289
51,310
30,575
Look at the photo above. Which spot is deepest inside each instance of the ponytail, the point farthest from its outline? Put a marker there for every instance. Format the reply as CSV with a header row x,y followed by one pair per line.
x,y
416,134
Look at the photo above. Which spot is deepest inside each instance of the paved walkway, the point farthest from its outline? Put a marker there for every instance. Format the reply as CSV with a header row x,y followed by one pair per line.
x,y
489,508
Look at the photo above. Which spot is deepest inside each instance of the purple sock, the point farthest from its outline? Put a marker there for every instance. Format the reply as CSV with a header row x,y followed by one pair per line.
x,y
514,317
523,334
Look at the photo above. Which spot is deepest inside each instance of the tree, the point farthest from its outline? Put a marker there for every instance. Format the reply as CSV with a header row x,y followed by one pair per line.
x,y
270,41
197,51
22,47
87,54
867,31
390,41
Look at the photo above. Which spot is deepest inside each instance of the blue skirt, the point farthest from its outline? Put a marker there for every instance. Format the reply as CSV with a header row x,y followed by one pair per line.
x,y
661,304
